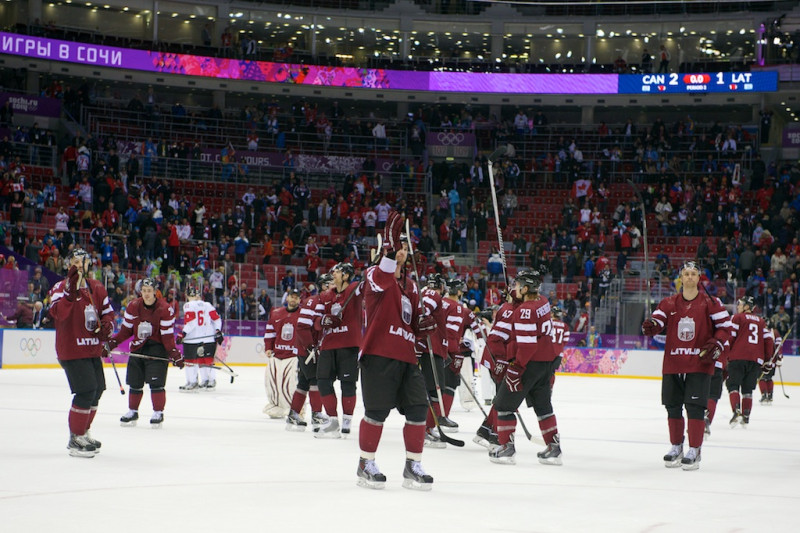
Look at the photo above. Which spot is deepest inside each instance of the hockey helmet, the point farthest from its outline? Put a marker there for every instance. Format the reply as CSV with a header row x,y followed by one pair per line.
x,y
144,282
747,301
455,285
691,265
323,280
78,252
436,281
192,292
346,269
557,312
529,278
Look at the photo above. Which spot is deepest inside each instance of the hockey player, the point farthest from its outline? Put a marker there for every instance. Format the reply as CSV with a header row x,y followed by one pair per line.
x,y
151,321
697,327
458,319
83,319
310,338
528,373
202,332
340,322
560,338
437,341
390,375
495,359
752,343
765,383
282,346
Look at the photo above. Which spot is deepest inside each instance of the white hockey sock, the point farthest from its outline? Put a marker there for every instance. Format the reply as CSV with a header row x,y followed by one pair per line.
x,y
191,374
205,374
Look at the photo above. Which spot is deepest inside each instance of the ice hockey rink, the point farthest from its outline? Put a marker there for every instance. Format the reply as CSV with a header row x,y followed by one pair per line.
x,y
218,464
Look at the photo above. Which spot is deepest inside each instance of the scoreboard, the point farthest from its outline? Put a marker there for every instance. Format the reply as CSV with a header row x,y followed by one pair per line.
x,y
714,82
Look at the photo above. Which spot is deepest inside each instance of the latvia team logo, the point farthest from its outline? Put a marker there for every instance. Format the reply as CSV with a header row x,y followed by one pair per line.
x,y
686,329
287,332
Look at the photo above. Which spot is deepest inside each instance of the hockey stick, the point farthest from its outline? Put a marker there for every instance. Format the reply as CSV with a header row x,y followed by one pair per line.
x,y
114,366
495,155
537,439
152,358
649,311
442,436
233,374
471,393
783,388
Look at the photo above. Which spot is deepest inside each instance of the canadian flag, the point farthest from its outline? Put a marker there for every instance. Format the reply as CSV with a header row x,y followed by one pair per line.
x,y
582,187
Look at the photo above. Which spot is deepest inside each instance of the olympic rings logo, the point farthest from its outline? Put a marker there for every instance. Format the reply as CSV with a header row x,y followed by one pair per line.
x,y
260,348
30,346
450,139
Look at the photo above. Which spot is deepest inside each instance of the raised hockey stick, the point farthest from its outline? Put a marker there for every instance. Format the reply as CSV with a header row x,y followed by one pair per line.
x,y
442,436
500,152
114,366
152,358
638,193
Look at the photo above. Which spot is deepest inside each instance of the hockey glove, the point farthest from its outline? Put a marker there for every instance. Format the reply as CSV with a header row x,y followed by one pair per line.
x,y
514,377
465,348
767,367
106,329
711,350
498,370
179,338
176,358
219,337
425,324
650,327
71,285
330,321
391,233
456,360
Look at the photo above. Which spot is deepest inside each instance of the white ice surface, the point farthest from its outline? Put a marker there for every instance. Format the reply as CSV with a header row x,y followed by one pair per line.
x,y
220,465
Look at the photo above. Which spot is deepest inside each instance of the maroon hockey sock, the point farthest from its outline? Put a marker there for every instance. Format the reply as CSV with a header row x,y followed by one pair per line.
x,y
735,401
493,419
92,412
770,386
762,386
159,400
696,429
369,435
549,428
329,401
414,437
448,403
712,408
506,428
298,399
676,426
78,419
348,405
747,405
134,399
315,400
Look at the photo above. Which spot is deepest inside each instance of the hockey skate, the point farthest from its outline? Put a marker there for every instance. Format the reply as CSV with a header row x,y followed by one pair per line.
x,y
448,424
318,419
210,385
674,456
330,430
369,476
745,421
203,385
129,419
79,446
294,422
504,454
484,437
347,421
157,419
415,478
707,429
94,442
552,454
736,419
189,387
691,461
763,399
432,439
769,398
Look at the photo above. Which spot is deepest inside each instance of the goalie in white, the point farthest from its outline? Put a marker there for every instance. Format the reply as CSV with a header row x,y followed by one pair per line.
x,y
202,332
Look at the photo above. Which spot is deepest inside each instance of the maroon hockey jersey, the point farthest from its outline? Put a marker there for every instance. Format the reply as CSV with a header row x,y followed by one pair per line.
x,y
281,334
531,328
689,325
348,333
459,318
499,336
309,336
154,323
392,311
437,306
74,339
559,336
751,339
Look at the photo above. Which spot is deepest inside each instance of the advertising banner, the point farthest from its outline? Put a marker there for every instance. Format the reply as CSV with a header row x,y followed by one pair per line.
x,y
24,104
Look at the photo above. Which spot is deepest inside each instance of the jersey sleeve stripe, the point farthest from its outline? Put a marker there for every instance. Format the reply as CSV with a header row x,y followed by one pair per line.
x,y
167,331
127,324
720,315
270,335
305,321
451,326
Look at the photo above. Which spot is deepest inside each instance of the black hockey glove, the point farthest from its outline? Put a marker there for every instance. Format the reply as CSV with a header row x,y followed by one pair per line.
x,y
219,337
179,338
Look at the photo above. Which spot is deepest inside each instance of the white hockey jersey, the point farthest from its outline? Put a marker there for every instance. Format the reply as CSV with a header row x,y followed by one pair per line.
x,y
200,322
